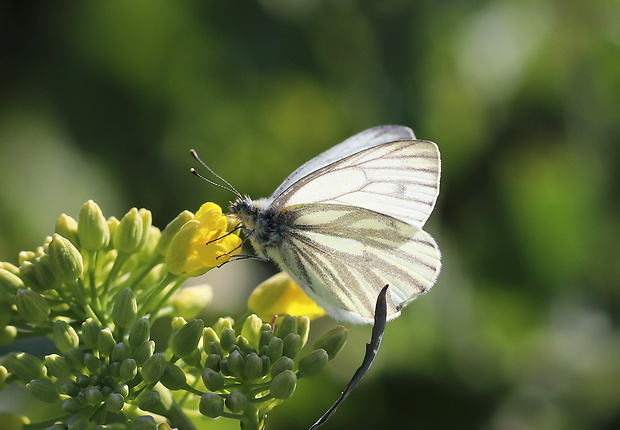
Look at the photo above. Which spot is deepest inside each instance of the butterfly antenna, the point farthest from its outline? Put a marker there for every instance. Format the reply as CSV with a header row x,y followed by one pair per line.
x,y
227,186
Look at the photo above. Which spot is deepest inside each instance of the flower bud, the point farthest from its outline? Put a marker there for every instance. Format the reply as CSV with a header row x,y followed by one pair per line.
x,y
171,229
93,396
92,362
5,265
227,339
144,351
213,362
90,333
71,388
113,223
114,402
280,365
145,422
128,235
332,341
213,380
235,363
140,331
153,368
265,338
105,342
148,400
3,375
66,260
252,366
147,220
8,335
236,401
292,345
28,274
64,336
46,277
274,349
9,284
71,405
312,364
186,339
67,227
24,256
75,356
27,367
303,329
243,345
125,308
214,348
283,385
173,378
32,306
119,352
44,390
287,324
221,323
211,405
194,358
251,330
129,370
92,227
57,366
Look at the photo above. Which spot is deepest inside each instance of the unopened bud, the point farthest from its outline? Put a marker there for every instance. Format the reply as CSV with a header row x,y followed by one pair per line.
x,y
128,235
280,365
227,338
45,275
67,227
235,363
27,367
114,402
105,341
125,308
236,401
144,351
173,378
92,227
32,306
44,390
171,230
303,329
283,385
75,356
312,364
213,380
287,324
213,362
274,349
90,333
64,336
71,405
145,422
252,366
140,331
211,405
154,368
186,339
333,341
9,284
66,260
93,396
57,365
251,330
292,345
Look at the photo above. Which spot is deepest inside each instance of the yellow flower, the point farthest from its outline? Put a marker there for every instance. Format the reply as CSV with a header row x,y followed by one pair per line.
x,y
202,243
280,295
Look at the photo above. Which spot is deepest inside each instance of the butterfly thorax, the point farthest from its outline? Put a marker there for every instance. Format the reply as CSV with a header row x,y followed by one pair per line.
x,y
263,221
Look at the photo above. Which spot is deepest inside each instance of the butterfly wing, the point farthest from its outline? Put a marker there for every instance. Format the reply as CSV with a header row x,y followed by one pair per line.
x,y
399,179
363,140
342,256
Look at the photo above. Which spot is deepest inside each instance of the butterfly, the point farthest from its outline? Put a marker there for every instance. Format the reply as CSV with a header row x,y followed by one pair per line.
x,y
350,221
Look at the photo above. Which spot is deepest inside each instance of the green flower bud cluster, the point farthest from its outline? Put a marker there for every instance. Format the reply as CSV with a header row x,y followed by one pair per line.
x,y
94,267
250,370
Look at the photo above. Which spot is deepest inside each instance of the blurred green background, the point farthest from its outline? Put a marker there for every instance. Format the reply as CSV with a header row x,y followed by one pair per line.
x,y
103,99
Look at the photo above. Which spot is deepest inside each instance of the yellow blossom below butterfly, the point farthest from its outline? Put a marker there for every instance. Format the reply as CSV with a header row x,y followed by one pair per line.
x,y
280,295
195,248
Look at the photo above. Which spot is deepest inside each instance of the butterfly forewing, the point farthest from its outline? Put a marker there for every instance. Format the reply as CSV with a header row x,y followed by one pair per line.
x,y
399,179
362,140
343,255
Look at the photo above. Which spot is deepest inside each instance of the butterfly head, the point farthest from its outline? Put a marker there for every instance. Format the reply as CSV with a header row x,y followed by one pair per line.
x,y
263,221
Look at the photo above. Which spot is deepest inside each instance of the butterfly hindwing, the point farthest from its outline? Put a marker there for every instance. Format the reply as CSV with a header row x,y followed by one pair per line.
x,y
342,256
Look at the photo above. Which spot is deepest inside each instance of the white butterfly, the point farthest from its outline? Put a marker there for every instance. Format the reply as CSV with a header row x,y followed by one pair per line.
x,y
350,221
